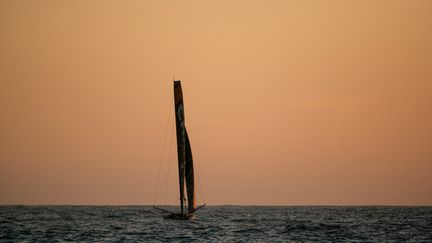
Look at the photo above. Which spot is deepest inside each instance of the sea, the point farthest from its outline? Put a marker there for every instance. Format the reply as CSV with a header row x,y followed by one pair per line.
x,y
216,224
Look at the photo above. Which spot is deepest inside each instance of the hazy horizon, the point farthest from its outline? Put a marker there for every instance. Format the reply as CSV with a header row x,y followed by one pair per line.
x,y
228,205
286,102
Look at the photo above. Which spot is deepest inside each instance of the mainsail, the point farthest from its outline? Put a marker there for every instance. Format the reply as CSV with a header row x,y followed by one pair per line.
x,y
184,152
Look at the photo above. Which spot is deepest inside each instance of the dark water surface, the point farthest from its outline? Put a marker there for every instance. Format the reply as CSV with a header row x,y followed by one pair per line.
x,y
216,223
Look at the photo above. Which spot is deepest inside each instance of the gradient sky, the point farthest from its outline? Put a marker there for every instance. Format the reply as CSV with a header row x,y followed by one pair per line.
x,y
287,102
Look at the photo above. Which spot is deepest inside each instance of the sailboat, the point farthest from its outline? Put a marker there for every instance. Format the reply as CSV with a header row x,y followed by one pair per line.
x,y
185,163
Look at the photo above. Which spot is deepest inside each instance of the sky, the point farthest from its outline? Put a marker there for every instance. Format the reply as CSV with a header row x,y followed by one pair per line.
x,y
286,102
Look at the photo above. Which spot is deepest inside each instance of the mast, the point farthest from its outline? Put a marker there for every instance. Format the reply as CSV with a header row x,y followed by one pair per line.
x,y
181,138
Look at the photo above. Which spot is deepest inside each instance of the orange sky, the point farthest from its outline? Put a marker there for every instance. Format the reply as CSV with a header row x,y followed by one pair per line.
x,y
287,102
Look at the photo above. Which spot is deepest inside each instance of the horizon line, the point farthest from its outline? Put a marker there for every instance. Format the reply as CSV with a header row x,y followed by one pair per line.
x,y
241,205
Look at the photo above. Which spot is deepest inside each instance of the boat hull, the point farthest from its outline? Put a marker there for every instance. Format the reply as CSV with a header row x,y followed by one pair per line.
x,y
179,216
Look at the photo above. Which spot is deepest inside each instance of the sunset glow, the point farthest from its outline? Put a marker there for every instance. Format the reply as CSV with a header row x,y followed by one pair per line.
x,y
286,102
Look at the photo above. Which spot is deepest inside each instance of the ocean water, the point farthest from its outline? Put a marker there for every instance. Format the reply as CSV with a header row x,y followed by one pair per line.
x,y
215,223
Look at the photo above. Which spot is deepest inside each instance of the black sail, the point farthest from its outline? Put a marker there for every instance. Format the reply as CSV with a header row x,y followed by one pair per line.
x,y
181,138
189,172
184,152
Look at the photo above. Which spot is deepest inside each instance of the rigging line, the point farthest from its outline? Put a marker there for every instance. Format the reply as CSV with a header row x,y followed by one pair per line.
x,y
162,154
164,186
201,190
170,159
